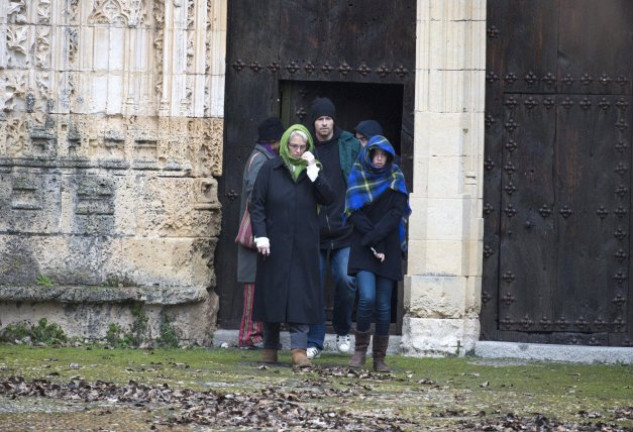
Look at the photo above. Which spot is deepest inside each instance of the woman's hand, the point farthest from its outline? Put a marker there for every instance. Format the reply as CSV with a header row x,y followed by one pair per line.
x,y
379,255
263,245
309,157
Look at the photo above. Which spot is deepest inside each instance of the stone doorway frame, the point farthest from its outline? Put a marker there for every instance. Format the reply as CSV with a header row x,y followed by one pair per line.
x,y
442,295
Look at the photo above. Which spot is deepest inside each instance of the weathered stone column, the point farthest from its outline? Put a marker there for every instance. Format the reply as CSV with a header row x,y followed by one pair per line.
x,y
111,124
443,284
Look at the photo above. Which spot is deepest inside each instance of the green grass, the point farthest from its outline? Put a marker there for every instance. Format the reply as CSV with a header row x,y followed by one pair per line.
x,y
442,389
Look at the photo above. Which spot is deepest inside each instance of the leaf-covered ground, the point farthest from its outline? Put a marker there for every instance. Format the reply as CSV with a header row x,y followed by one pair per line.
x,y
95,389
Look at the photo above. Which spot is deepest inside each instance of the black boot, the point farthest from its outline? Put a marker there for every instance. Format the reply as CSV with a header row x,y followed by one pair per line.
x,y
380,351
360,348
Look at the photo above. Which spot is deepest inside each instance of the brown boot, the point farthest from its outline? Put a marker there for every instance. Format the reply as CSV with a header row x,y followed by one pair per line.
x,y
300,359
380,351
360,348
269,355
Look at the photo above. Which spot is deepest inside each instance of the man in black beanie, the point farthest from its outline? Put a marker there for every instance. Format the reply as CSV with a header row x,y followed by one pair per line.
x,y
337,150
267,147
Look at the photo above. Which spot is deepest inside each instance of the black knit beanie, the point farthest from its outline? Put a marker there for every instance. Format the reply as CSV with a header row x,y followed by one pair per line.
x,y
270,129
322,107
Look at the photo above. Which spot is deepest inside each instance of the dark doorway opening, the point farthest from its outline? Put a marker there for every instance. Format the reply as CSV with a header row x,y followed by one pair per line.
x,y
354,102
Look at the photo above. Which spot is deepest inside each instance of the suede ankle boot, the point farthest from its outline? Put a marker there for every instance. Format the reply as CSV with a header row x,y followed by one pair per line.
x,y
380,345
300,359
360,348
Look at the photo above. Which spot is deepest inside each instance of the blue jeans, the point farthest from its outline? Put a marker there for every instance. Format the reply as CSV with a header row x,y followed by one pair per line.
x,y
374,301
344,296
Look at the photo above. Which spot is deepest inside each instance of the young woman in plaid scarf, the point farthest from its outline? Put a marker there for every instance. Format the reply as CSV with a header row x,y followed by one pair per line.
x,y
377,205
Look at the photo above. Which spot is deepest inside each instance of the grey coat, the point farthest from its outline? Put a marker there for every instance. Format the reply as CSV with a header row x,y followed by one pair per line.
x,y
247,258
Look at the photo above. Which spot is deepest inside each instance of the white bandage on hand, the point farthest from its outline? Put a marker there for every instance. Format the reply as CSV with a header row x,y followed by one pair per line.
x,y
313,172
262,242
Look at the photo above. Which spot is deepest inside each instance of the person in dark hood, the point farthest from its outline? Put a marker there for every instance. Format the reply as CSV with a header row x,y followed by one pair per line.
x,y
377,205
269,131
366,129
337,150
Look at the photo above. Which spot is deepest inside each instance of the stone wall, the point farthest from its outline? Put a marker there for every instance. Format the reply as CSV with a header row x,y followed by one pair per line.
x,y
111,124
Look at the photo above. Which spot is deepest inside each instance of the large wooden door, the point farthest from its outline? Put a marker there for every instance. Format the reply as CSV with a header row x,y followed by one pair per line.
x,y
557,198
282,53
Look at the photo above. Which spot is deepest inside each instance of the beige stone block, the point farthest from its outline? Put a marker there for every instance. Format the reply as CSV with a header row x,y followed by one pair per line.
x,y
423,337
116,49
114,102
447,43
436,295
125,206
473,221
474,152
457,10
66,260
473,253
420,156
3,134
219,15
416,258
176,207
473,296
477,45
474,93
422,89
445,257
478,10
446,91
99,48
97,93
445,176
216,96
446,133
193,320
423,10
458,46
445,220
417,220
138,51
30,201
160,261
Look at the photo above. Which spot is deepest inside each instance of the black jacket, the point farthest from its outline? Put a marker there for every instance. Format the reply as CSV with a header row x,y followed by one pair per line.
x,y
376,225
337,156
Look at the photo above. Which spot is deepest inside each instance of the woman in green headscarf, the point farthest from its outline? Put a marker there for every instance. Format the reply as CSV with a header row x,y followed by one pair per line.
x,y
284,215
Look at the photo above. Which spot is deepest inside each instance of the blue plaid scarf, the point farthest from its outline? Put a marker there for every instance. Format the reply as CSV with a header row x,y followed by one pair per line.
x,y
366,182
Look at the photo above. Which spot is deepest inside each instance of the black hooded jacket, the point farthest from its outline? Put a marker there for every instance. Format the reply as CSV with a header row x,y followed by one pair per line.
x,y
337,156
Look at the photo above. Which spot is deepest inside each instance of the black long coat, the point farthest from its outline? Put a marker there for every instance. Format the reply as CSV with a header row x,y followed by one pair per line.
x,y
288,280
376,225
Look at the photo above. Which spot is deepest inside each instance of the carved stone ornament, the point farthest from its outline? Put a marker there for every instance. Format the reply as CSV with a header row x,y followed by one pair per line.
x,y
121,12
17,11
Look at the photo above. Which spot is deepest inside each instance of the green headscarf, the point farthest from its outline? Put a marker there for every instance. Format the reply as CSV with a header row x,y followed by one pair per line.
x,y
295,166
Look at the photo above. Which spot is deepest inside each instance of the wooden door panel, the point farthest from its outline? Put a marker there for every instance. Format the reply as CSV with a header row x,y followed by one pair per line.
x,y
594,199
594,43
528,234
558,158
524,58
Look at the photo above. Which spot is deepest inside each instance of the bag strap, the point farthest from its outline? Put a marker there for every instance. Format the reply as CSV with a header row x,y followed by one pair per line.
x,y
251,159
248,167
